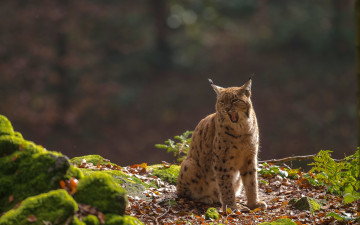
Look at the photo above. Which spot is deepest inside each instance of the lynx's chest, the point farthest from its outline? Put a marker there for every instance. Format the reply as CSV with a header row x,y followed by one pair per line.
x,y
235,140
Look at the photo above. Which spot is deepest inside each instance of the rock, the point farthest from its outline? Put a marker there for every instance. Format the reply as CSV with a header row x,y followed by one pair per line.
x,y
133,185
99,190
54,207
30,175
285,221
307,203
27,169
112,219
212,213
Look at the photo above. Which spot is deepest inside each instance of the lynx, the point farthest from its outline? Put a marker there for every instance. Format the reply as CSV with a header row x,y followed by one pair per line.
x,y
223,152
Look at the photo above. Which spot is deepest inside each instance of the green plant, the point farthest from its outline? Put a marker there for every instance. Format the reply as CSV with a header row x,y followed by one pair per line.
x,y
270,170
179,147
340,178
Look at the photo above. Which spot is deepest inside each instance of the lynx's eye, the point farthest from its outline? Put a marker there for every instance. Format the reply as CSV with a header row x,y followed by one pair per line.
x,y
235,101
221,102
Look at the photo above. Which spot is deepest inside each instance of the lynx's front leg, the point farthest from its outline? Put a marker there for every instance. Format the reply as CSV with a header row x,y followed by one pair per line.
x,y
249,177
224,177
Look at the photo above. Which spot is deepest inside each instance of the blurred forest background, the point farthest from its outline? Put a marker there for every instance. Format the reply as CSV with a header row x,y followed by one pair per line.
x,y
116,77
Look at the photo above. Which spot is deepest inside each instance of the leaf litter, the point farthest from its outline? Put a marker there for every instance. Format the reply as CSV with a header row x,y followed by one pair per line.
x,y
164,207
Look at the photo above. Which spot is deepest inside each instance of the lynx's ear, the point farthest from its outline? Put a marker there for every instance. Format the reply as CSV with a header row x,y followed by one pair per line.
x,y
217,89
247,85
246,88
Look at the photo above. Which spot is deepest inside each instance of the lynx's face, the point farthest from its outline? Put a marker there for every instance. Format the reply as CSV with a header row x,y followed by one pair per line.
x,y
234,102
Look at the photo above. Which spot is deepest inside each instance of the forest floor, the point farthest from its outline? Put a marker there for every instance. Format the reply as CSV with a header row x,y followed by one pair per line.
x,y
164,207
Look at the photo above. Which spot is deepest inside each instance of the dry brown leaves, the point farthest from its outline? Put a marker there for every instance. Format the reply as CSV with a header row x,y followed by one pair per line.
x,y
165,208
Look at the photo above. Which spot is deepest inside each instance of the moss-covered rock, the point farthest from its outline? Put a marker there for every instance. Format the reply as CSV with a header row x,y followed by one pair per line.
x,y
29,171
101,191
54,207
112,219
133,185
74,172
94,159
76,221
212,213
5,126
91,220
285,221
307,203
167,174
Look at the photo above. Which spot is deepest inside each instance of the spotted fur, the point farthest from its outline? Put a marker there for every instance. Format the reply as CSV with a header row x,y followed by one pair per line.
x,y
223,152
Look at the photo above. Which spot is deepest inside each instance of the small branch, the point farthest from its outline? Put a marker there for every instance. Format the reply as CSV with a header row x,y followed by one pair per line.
x,y
159,217
293,158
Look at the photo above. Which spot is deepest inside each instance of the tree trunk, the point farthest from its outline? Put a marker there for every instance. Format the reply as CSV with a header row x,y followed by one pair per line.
x,y
63,86
357,42
160,13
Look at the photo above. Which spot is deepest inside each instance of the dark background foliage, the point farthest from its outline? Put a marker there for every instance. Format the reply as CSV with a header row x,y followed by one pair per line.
x,y
116,77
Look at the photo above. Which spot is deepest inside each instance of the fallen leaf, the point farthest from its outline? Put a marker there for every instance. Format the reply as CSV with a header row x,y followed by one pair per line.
x,y
257,210
11,198
31,218
238,212
101,217
14,157
166,164
135,166
73,183
62,184
143,165
285,203
229,211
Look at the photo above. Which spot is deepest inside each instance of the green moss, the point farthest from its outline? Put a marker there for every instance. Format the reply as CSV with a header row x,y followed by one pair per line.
x,y
307,203
91,220
5,126
133,185
99,190
10,144
29,171
285,221
94,159
212,213
167,174
18,135
120,177
76,221
74,172
112,219
55,207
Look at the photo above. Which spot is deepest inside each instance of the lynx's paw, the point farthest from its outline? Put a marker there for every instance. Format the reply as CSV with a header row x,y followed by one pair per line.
x,y
206,200
259,204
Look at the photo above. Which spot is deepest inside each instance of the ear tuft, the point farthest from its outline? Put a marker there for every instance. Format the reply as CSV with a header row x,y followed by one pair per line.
x,y
216,88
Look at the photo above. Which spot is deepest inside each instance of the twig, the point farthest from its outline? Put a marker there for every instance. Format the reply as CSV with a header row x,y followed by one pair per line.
x,y
159,217
293,158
